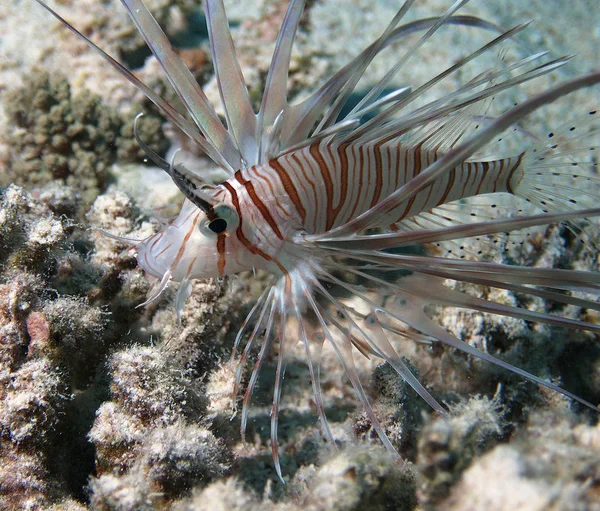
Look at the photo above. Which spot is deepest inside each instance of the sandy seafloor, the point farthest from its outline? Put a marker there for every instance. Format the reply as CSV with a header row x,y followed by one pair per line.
x,y
108,406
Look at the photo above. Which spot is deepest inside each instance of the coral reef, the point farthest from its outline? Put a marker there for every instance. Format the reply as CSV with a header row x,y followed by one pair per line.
x,y
60,314
105,406
30,233
52,346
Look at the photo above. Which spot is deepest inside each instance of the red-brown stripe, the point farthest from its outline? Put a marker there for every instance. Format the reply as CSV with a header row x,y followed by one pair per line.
x,y
316,154
264,211
343,176
156,240
429,193
484,166
449,186
361,162
417,160
512,171
311,184
190,266
266,178
407,209
289,188
378,174
498,174
240,233
221,250
169,245
416,171
184,243
468,166
389,160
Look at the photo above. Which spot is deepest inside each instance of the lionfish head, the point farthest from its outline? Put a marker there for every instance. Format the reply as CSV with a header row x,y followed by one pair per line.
x,y
198,243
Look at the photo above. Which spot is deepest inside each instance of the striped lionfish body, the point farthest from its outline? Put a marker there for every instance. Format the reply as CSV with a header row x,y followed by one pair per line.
x,y
317,197
331,183
310,191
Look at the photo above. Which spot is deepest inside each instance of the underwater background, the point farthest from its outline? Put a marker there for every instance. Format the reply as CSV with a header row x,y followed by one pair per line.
x,y
105,406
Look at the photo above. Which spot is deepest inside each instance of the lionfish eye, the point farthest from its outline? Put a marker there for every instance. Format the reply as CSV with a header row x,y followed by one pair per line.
x,y
225,219
218,225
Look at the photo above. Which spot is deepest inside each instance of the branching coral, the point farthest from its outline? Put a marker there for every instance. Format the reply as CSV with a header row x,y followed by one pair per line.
x,y
57,136
73,138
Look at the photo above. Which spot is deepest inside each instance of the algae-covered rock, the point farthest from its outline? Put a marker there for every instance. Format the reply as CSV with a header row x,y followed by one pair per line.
x,y
222,495
553,466
362,477
153,388
31,236
172,460
34,397
150,433
33,401
448,444
397,406
51,346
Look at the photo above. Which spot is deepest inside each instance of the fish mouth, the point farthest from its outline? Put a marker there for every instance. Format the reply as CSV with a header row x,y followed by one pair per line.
x,y
149,256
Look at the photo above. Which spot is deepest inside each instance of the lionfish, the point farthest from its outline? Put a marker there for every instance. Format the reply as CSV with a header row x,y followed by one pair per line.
x,y
326,196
